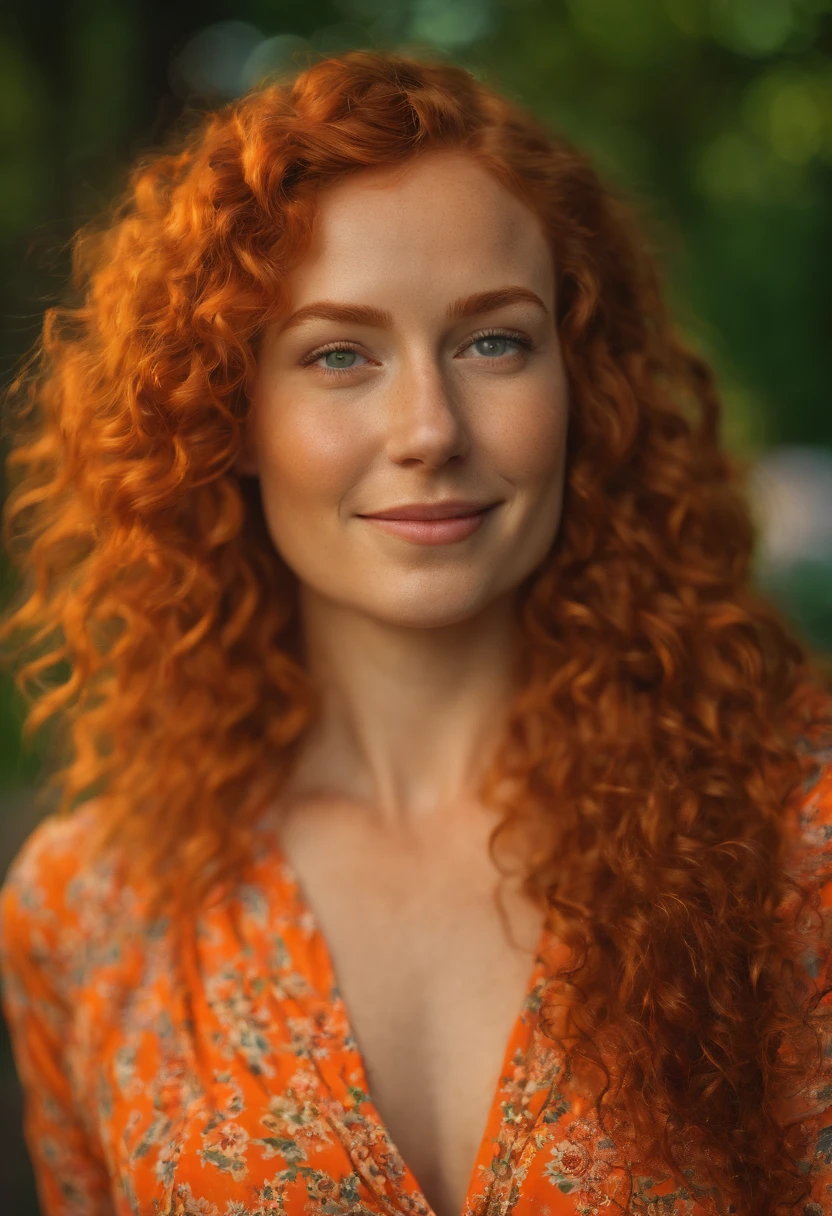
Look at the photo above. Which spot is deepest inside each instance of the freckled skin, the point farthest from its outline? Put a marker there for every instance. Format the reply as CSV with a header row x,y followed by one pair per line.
x,y
422,412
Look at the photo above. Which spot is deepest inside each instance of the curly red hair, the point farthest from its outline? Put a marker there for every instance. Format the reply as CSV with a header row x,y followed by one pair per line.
x,y
663,708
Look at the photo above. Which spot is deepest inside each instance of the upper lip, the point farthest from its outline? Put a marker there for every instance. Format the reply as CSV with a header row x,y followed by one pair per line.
x,y
430,510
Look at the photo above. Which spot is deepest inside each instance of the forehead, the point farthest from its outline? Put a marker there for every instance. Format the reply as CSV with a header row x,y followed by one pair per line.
x,y
440,220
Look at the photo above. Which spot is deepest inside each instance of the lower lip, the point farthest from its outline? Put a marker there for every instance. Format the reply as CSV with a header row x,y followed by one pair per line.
x,y
432,531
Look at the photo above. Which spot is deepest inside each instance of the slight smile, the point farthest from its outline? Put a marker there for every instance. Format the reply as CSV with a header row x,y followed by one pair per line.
x,y
433,531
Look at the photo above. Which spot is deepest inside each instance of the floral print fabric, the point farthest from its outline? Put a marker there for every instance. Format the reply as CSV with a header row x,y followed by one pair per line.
x,y
222,1078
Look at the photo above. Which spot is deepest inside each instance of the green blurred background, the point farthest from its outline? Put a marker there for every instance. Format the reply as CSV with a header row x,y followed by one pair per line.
x,y
715,116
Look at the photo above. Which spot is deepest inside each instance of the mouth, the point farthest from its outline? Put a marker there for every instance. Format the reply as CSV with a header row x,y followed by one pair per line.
x,y
446,531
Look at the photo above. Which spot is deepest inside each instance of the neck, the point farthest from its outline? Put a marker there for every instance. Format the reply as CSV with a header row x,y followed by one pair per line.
x,y
408,716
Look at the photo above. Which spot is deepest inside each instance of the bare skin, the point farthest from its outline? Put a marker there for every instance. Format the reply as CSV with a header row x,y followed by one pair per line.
x,y
411,644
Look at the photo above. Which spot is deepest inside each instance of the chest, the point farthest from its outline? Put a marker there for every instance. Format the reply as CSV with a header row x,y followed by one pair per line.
x,y
432,982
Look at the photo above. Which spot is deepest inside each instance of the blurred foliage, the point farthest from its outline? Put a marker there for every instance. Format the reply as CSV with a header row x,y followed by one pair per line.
x,y
714,115
804,591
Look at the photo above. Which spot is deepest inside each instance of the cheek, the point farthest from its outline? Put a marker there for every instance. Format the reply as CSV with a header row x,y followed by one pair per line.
x,y
308,455
527,441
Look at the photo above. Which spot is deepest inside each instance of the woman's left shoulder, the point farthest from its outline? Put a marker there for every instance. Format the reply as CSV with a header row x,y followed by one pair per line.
x,y
812,851
811,865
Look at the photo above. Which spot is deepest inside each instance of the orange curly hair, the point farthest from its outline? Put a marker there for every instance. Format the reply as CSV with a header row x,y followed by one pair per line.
x,y
660,723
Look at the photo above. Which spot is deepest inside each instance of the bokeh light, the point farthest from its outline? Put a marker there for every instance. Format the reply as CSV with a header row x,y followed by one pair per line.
x,y
792,489
213,61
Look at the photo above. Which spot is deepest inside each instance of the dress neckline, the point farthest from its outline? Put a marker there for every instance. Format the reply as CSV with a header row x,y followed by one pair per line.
x,y
514,1064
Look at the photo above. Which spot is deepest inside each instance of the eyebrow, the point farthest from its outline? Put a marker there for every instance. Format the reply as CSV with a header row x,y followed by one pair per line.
x,y
363,314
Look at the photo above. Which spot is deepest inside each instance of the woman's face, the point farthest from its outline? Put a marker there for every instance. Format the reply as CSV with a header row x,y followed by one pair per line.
x,y
419,363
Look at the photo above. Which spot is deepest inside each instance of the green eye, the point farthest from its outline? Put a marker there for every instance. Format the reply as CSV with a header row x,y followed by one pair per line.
x,y
492,346
339,358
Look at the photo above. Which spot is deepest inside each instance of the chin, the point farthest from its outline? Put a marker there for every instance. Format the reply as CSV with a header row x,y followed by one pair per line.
x,y
428,611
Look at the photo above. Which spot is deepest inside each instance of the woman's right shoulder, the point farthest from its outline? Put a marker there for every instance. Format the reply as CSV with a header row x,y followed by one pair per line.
x,y
55,854
58,899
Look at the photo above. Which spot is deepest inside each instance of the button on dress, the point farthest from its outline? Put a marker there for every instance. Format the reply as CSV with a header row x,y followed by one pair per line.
x,y
214,1071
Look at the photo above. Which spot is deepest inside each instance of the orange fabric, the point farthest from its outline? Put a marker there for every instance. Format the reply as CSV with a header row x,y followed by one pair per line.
x,y
237,1089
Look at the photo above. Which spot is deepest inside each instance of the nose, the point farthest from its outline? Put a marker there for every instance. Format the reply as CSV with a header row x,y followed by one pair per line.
x,y
426,422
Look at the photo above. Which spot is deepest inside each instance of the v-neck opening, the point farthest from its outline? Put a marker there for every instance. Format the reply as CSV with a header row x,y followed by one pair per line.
x,y
332,987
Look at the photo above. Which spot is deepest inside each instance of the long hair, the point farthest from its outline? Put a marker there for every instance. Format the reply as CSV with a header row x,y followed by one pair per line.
x,y
661,719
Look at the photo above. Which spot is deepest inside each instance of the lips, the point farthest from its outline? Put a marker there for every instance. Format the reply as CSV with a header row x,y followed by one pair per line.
x,y
447,529
456,509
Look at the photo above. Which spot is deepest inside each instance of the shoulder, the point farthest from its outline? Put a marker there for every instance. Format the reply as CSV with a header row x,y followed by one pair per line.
x,y
812,820
56,902
809,1107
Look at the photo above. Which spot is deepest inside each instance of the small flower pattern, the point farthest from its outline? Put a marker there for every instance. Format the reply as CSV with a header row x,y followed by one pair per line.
x,y
216,1074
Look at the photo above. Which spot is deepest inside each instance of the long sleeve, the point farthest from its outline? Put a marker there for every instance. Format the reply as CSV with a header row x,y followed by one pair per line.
x,y
71,1177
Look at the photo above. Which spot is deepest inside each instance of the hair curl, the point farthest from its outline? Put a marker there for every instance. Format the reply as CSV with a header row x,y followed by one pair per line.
x,y
662,707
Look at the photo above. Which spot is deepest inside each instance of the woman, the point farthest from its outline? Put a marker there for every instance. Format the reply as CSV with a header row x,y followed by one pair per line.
x,y
384,520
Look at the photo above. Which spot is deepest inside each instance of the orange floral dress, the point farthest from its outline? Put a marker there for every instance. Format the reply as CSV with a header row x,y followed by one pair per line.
x,y
112,1052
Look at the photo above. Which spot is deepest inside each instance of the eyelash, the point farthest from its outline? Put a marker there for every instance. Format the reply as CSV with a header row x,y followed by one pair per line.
x,y
310,360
